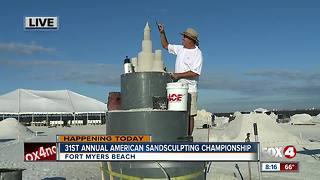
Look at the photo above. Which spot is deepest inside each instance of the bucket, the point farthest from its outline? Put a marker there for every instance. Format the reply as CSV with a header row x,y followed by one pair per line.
x,y
177,94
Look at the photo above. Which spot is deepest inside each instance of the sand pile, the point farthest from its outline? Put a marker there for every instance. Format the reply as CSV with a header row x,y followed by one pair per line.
x,y
316,119
203,117
269,132
221,121
273,116
301,119
10,128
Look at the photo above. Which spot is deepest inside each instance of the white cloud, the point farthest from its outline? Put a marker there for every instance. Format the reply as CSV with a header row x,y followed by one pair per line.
x,y
88,73
265,83
285,74
21,48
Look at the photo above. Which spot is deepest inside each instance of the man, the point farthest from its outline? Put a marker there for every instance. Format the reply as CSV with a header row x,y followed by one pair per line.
x,y
188,65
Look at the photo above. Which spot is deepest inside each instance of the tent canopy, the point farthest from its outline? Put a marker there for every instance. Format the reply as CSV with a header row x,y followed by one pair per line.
x,y
261,110
30,101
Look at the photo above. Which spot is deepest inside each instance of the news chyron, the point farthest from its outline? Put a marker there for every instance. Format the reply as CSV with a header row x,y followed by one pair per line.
x,y
282,159
280,153
41,23
40,151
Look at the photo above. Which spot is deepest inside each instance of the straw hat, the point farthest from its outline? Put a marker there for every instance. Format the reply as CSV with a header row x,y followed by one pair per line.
x,y
192,34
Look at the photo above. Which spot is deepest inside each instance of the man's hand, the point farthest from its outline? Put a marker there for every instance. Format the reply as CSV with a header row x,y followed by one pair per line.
x,y
174,76
164,41
160,28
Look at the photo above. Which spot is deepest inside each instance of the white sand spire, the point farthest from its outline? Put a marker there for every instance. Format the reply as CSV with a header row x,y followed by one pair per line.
x,y
146,42
148,61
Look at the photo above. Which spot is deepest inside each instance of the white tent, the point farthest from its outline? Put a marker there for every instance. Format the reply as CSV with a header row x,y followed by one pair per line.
x,y
33,101
261,110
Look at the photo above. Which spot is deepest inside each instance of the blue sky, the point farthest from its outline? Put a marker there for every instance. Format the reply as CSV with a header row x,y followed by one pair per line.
x,y
256,53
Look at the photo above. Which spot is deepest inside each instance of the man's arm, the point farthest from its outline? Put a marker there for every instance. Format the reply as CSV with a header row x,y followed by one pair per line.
x,y
186,75
163,37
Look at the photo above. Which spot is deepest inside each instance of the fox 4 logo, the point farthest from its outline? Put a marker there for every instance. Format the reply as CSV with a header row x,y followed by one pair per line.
x,y
278,152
